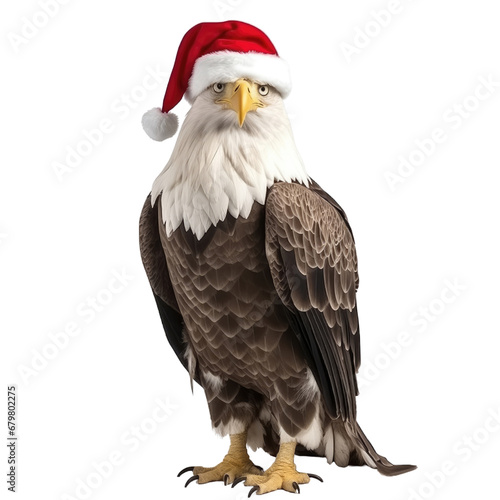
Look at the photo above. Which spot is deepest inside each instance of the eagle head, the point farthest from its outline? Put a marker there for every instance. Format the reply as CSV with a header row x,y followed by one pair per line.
x,y
235,142
245,109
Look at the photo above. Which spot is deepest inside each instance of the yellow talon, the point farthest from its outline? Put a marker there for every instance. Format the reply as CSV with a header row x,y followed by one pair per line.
x,y
235,464
282,475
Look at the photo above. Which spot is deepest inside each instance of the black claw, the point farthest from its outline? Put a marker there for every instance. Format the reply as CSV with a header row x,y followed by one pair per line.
x,y
191,479
253,490
226,479
314,476
238,480
185,470
296,486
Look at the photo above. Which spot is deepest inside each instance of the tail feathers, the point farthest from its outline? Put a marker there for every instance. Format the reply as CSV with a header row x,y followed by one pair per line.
x,y
343,443
371,457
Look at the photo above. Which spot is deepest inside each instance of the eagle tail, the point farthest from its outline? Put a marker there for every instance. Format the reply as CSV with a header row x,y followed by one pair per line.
x,y
365,449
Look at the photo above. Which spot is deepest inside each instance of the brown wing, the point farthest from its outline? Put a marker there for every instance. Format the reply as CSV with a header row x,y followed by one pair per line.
x,y
313,263
155,265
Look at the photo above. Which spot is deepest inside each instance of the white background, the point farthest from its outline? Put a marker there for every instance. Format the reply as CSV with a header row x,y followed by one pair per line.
x,y
62,239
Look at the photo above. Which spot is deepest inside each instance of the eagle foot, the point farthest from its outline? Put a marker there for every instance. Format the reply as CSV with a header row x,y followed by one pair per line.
x,y
282,475
235,464
227,471
277,478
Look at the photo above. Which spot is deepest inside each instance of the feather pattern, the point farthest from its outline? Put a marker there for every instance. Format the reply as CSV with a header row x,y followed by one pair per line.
x,y
314,268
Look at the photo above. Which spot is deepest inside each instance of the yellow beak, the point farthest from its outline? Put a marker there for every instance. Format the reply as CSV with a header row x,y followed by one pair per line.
x,y
242,98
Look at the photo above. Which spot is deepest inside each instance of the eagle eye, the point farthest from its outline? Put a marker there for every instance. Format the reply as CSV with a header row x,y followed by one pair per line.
x,y
264,90
219,87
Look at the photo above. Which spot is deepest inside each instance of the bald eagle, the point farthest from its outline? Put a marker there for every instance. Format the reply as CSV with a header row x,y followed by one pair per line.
x,y
254,271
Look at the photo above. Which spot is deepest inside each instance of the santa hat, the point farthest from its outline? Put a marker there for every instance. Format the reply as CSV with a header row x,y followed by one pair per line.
x,y
216,53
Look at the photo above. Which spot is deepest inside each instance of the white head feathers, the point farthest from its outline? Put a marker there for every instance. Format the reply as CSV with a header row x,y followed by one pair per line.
x,y
217,167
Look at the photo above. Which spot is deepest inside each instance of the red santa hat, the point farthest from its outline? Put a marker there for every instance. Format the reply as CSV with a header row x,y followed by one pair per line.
x,y
216,53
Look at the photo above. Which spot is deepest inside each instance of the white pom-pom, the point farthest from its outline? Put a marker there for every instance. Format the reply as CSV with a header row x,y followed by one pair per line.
x,y
158,125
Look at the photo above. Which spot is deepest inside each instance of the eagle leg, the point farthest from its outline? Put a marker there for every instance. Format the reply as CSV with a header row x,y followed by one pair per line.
x,y
235,464
282,475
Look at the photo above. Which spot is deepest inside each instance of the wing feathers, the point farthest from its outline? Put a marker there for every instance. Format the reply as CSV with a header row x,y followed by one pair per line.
x,y
150,238
313,263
